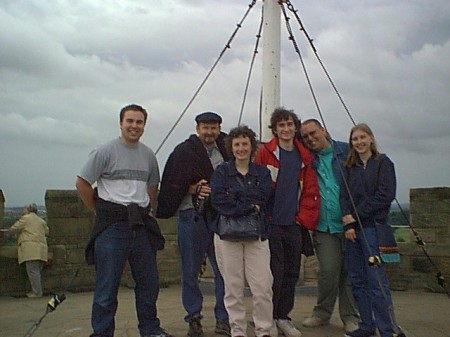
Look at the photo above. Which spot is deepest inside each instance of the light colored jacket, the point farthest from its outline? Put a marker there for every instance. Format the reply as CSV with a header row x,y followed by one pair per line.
x,y
32,243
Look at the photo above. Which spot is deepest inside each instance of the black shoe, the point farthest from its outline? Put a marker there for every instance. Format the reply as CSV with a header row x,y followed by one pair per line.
x,y
195,328
161,333
360,333
223,328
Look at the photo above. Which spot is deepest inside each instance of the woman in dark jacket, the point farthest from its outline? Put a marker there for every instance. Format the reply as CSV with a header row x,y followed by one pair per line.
x,y
240,187
365,202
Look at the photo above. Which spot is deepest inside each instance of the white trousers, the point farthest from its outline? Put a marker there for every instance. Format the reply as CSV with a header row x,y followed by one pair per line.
x,y
240,261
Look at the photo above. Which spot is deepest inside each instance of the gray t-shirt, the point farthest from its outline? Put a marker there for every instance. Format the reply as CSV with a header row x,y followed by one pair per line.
x,y
123,173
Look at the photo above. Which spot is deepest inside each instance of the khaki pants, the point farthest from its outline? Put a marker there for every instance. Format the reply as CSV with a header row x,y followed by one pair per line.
x,y
332,278
240,261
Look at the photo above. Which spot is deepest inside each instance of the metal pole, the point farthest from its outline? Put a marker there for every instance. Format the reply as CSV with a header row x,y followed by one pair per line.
x,y
271,64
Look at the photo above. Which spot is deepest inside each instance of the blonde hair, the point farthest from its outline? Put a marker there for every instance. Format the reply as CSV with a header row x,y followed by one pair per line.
x,y
352,154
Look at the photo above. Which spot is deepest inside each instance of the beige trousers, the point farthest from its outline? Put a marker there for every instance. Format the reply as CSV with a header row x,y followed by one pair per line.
x,y
34,270
240,261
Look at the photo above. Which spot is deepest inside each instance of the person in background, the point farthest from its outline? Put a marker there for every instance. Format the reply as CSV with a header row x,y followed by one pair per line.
x,y
370,177
240,187
127,176
185,191
328,238
32,246
293,208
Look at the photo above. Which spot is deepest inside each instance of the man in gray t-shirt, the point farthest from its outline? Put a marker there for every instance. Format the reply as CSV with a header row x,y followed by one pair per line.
x,y
127,177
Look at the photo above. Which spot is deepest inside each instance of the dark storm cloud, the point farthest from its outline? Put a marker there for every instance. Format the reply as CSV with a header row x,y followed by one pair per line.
x,y
67,67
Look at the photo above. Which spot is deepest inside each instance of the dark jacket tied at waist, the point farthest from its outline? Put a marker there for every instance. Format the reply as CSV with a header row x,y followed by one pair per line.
x,y
108,213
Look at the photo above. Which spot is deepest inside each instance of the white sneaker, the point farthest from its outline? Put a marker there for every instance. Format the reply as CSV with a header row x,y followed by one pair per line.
x,y
313,322
288,328
274,330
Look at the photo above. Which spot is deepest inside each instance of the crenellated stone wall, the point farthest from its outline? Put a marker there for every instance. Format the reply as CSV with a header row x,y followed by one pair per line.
x,y
12,276
430,218
70,225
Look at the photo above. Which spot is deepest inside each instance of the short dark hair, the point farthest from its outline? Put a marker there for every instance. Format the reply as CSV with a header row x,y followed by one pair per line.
x,y
133,107
240,131
312,120
282,114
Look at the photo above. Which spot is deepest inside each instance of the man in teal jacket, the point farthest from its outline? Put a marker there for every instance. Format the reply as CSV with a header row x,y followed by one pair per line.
x,y
328,238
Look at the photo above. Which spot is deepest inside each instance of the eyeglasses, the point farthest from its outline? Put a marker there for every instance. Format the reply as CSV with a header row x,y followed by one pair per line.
x,y
306,135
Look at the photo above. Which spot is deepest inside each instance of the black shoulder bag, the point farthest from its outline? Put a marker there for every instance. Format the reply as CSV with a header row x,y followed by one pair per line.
x,y
240,228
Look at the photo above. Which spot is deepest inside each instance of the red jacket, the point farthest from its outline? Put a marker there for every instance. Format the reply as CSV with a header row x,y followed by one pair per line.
x,y
309,201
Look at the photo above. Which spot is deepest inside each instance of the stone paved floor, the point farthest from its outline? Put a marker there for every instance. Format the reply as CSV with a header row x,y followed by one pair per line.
x,y
420,314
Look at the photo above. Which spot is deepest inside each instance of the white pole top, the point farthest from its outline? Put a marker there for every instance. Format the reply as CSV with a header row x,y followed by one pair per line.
x,y
271,64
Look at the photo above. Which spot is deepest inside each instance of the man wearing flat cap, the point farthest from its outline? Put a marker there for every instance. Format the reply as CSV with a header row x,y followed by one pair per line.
x,y
185,192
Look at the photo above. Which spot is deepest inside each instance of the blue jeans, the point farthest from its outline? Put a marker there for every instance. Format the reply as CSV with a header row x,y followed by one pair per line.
x,y
195,241
370,285
113,247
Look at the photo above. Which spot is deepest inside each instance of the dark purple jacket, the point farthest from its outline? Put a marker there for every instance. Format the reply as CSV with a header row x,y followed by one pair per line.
x,y
372,189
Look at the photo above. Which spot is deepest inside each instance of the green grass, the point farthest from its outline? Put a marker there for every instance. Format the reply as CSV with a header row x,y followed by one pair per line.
x,y
402,234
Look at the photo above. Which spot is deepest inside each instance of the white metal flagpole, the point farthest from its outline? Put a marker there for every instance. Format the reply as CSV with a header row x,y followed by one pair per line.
x,y
271,64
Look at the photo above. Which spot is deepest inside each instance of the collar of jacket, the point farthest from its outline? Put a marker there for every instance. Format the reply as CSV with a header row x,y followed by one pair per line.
x,y
372,158
199,148
273,146
232,171
339,148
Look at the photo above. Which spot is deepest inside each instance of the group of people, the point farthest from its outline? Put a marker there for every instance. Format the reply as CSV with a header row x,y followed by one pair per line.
x,y
301,181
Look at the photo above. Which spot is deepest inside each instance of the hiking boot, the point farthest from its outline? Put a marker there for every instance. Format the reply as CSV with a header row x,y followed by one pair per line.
x,y
160,333
195,328
314,321
288,328
360,333
222,328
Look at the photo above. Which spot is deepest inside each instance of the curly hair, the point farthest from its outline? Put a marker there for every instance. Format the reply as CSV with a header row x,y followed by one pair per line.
x,y
282,114
240,131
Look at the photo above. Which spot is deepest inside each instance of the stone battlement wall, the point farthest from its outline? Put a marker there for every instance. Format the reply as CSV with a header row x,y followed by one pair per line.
x,y
70,225
430,217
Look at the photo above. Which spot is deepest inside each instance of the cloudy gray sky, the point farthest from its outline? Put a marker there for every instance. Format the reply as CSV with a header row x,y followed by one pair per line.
x,y
67,67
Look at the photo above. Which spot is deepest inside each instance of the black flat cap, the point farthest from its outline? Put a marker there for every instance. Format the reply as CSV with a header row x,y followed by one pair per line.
x,y
208,117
